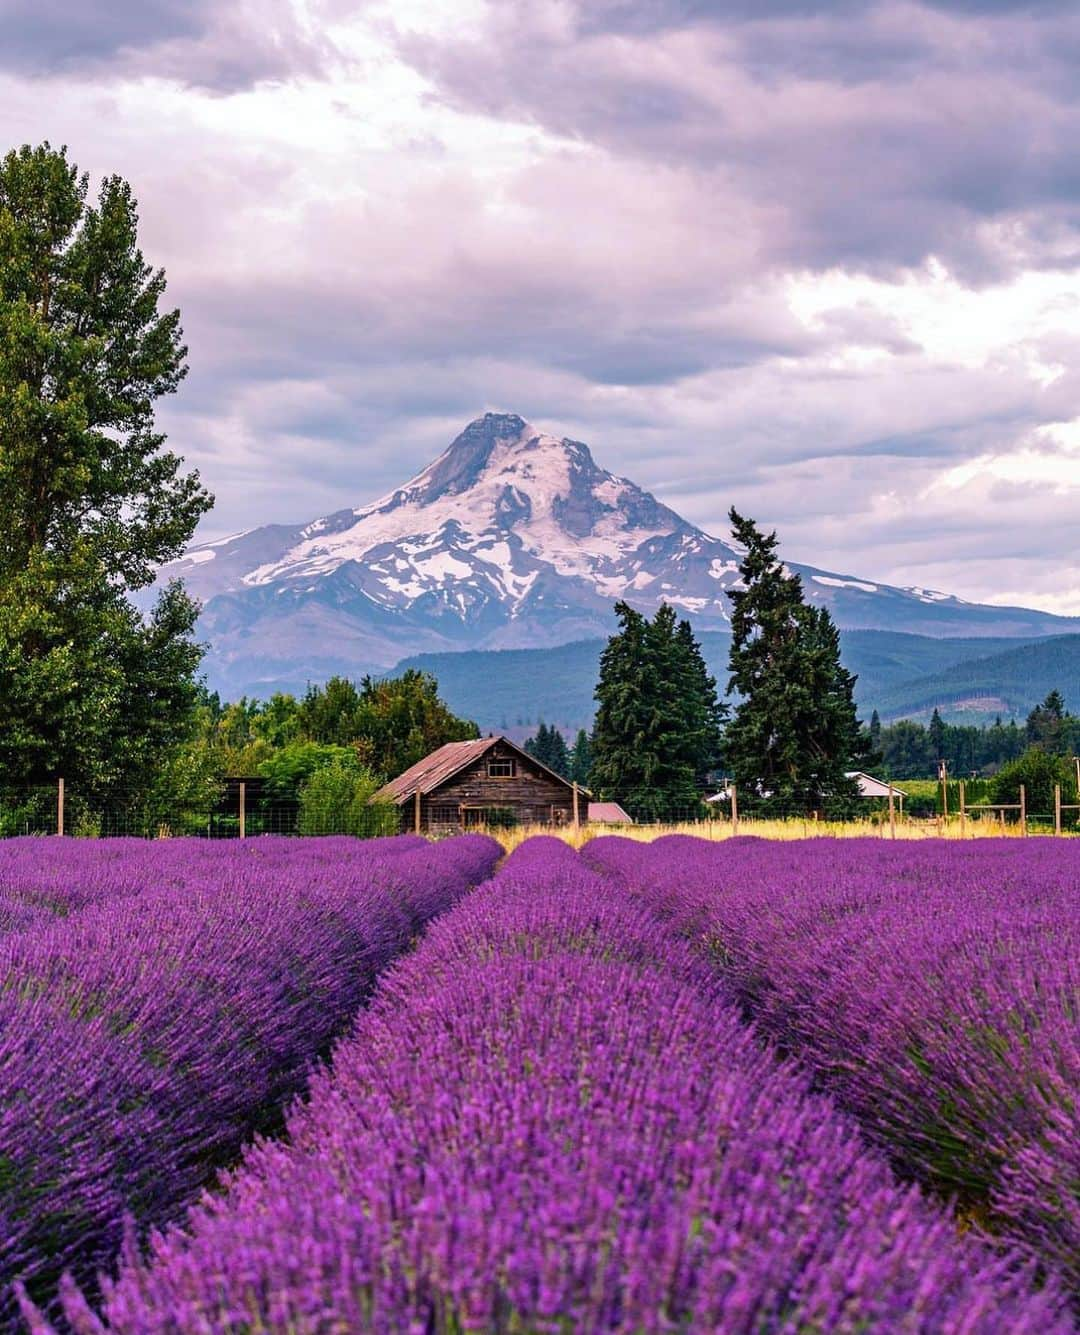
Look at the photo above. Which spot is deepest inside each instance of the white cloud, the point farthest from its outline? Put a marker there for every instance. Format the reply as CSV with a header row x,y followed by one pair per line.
x,y
610,235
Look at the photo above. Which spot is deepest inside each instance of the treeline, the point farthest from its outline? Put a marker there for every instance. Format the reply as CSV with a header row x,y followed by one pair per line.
x,y
909,750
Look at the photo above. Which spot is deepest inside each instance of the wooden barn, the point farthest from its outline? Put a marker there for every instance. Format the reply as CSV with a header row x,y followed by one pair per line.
x,y
490,781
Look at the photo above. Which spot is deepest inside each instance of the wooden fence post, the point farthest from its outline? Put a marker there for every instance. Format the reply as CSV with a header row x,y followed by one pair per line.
x,y
734,809
243,809
1023,811
59,806
577,817
1057,808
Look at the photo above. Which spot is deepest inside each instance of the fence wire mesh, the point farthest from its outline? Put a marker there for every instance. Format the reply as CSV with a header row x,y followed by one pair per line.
x,y
50,809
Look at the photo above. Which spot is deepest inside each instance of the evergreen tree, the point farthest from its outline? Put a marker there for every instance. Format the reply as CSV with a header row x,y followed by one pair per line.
x,y
1046,725
581,758
702,713
656,726
90,502
558,753
936,737
795,732
537,744
874,737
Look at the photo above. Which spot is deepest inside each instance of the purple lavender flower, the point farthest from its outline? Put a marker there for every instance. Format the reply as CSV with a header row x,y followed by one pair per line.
x,y
169,1015
552,1118
934,989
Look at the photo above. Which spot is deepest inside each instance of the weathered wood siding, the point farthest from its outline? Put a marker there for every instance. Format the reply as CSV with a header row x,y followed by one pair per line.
x,y
532,795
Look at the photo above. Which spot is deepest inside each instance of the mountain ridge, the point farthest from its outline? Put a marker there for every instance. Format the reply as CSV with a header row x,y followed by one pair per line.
x,y
510,538
513,690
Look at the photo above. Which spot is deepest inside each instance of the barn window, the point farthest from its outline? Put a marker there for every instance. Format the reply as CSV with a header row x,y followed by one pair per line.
x,y
501,767
445,815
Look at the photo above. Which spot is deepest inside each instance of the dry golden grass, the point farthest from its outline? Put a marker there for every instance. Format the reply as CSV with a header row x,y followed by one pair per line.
x,y
766,829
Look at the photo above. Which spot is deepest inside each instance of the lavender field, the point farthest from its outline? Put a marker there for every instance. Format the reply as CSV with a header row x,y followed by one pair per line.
x,y
641,1088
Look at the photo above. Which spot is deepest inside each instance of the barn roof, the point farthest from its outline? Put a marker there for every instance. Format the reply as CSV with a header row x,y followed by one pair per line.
x,y
434,770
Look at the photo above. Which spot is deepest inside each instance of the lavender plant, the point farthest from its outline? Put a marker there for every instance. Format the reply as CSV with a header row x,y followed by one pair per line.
x,y
552,1119
934,989
145,1036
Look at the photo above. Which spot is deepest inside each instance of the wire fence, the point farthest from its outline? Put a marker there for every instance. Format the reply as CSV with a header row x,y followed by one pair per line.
x,y
232,813
246,809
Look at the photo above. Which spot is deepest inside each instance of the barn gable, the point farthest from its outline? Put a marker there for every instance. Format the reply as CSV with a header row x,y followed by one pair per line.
x,y
490,781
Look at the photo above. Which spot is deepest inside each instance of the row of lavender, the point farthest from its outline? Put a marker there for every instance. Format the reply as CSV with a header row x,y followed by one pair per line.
x,y
158,1003
50,878
552,1118
933,990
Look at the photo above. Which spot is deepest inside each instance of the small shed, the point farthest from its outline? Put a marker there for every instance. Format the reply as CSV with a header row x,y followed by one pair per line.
x,y
608,813
490,781
871,787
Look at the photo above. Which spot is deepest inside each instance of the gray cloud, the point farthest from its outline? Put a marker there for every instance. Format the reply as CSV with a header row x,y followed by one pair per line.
x,y
877,134
204,43
615,266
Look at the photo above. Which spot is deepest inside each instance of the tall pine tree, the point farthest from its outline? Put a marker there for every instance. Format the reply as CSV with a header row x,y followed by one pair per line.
x,y
795,732
581,758
90,501
657,720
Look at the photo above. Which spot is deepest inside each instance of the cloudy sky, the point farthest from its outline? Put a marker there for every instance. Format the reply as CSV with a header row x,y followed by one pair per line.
x,y
824,265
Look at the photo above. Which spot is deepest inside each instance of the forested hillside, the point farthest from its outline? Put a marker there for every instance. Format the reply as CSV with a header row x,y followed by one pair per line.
x,y
899,675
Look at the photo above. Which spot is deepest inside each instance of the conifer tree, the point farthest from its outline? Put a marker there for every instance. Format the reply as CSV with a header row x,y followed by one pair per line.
x,y
702,714
656,722
558,753
874,754
581,758
90,501
548,745
795,732
936,736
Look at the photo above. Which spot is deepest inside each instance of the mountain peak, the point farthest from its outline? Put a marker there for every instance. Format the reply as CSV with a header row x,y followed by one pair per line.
x,y
512,537
462,462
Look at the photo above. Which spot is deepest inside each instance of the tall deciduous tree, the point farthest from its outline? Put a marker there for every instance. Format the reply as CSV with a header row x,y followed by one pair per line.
x,y
657,718
90,501
795,732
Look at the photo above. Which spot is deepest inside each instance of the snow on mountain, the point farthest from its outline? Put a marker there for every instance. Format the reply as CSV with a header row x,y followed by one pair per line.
x,y
511,538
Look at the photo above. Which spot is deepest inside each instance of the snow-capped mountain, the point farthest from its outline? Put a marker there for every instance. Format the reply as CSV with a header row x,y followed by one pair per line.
x,y
511,538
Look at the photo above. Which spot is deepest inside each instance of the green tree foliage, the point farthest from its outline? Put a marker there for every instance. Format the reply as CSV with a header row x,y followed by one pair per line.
x,y
90,501
378,729
581,758
935,736
795,732
288,768
908,752
657,721
1038,771
336,799
1051,727
548,745
391,722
